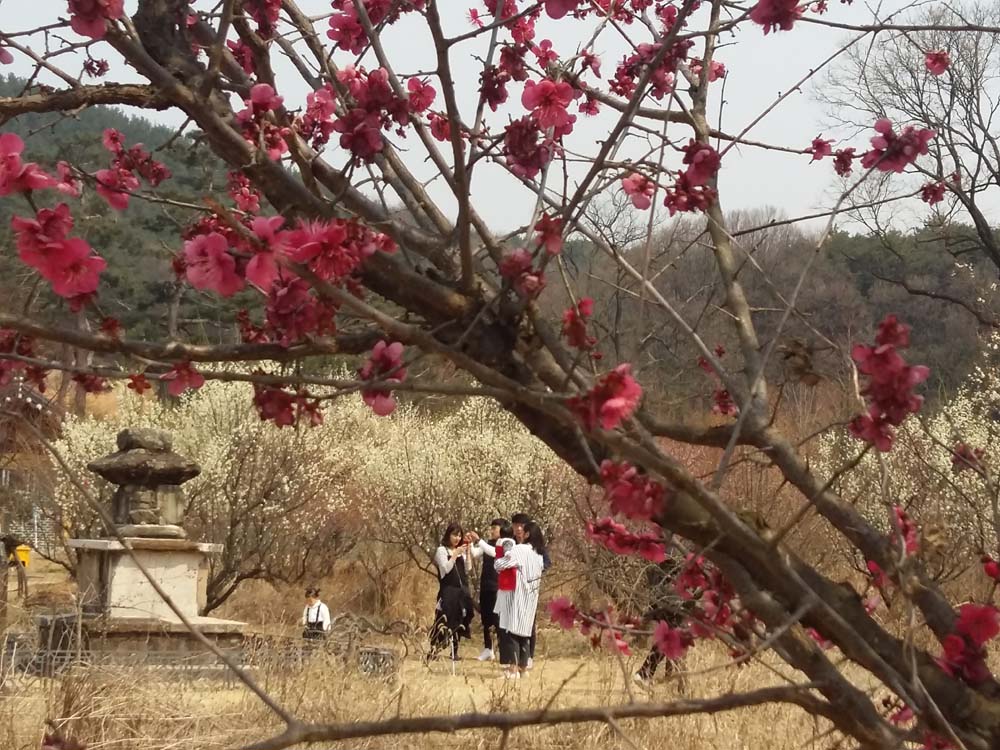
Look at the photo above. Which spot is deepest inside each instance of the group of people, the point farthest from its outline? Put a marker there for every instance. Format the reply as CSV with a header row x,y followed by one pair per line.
x,y
514,558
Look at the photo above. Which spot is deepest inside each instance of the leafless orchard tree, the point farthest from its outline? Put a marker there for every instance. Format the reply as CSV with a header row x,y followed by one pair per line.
x,y
890,79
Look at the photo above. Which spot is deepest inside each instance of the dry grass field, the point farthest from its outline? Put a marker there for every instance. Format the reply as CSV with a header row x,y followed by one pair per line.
x,y
129,710
152,709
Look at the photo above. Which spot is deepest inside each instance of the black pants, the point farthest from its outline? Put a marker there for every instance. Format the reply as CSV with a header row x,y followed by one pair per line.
x,y
441,634
531,641
491,620
655,658
514,649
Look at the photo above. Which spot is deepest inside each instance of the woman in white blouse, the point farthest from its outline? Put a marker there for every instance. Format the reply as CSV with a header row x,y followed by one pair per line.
x,y
315,617
517,608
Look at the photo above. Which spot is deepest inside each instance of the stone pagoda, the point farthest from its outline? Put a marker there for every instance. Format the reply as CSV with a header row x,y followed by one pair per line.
x,y
121,611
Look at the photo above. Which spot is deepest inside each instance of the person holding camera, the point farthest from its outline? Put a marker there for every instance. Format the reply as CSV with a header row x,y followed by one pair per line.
x,y
454,608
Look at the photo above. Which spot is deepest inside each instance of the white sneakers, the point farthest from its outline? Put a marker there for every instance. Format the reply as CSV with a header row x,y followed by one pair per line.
x,y
531,663
511,676
486,655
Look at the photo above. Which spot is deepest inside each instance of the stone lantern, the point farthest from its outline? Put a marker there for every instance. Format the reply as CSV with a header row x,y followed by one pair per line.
x,y
119,605
149,500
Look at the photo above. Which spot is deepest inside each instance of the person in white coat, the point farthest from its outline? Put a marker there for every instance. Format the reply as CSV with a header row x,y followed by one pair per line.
x,y
517,607
315,617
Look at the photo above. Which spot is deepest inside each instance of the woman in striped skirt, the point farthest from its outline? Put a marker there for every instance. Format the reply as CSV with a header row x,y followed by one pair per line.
x,y
517,607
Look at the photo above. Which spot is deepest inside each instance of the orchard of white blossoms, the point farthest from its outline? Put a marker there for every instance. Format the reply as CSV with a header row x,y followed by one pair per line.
x,y
365,146
276,496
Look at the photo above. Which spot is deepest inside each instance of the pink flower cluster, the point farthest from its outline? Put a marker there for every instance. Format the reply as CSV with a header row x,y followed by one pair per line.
x,y
376,108
334,250
716,70
713,608
265,13
685,196
631,493
549,233
67,263
574,326
139,383
96,68
527,149
617,538
991,567
17,176
613,399
254,122
88,17
893,152
346,29
385,364
315,125
843,161
639,189
181,377
11,342
662,78
933,192
243,193
777,14
820,148
905,531
518,269
114,183
965,457
548,102
937,62
889,390
964,654
293,312
275,404
703,163
723,403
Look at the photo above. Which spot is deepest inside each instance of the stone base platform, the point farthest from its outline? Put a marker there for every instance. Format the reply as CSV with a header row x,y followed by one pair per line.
x,y
110,582
97,635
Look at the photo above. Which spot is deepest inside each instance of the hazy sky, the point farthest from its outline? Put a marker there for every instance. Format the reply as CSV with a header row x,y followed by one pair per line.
x,y
760,68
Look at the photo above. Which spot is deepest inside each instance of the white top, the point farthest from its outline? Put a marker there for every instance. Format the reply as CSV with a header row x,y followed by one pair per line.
x,y
485,548
319,612
445,562
517,608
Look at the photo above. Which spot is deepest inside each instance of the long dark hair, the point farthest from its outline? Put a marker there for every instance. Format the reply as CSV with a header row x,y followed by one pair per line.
x,y
534,537
452,528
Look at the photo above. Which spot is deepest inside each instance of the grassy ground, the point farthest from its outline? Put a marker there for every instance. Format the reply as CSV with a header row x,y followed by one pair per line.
x,y
110,709
123,709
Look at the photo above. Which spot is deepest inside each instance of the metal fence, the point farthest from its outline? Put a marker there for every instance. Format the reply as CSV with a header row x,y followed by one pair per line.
x,y
347,644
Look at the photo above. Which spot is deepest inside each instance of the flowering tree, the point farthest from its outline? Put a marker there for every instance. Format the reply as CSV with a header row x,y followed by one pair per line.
x,y
359,143
274,498
418,472
940,472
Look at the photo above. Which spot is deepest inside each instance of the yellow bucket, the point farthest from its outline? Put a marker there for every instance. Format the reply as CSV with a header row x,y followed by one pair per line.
x,y
23,553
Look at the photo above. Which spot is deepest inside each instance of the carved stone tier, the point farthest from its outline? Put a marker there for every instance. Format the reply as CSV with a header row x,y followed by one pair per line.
x,y
148,474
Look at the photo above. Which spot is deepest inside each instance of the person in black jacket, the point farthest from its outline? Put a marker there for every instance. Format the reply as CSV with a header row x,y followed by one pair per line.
x,y
667,607
499,529
454,609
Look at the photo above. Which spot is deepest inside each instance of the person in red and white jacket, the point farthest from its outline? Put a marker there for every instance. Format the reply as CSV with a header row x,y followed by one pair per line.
x,y
517,606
